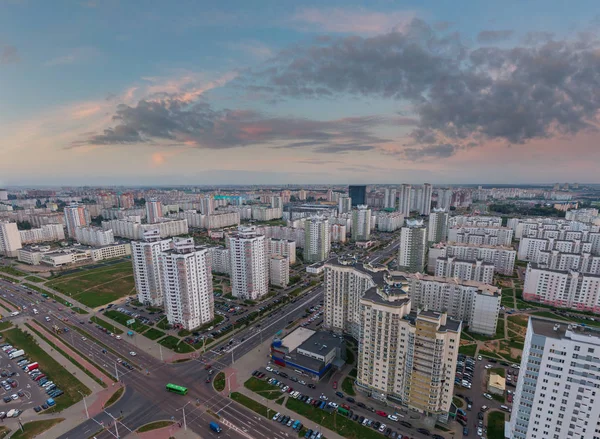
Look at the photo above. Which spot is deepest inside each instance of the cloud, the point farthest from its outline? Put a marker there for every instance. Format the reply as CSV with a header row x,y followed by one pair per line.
x,y
359,21
199,125
9,55
431,151
460,95
493,36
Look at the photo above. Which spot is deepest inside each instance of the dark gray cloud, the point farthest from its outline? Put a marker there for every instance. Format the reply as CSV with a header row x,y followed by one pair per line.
x,y
168,119
493,36
460,95
9,55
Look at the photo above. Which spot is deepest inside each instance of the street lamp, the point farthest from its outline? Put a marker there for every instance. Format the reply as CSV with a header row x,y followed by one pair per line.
x,y
84,404
183,410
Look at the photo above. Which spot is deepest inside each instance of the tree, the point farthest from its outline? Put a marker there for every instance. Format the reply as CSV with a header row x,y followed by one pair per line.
x,y
98,220
23,225
139,201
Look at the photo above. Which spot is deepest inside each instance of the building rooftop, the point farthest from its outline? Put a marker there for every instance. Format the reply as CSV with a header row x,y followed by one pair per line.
x,y
321,342
484,288
296,338
468,261
394,297
560,329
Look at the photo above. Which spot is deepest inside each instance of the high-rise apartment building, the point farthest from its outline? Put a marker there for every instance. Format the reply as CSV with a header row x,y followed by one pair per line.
x,y
187,284
361,223
248,264
153,211
503,258
75,216
126,200
404,200
46,233
437,229
389,221
277,202
413,246
282,247
481,235
317,241
279,270
94,236
344,205
557,391
425,200
207,206
358,195
406,357
10,239
146,260
476,270
390,198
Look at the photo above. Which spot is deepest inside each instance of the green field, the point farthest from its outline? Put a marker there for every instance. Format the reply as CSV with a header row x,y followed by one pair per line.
x,y
35,279
12,271
153,334
468,349
172,343
496,425
36,428
348,386
98,286
121,318
219,382
63,379
262,388
106,325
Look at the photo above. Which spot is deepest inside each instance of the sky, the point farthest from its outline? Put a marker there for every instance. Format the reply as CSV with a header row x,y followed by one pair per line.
x,y
105,92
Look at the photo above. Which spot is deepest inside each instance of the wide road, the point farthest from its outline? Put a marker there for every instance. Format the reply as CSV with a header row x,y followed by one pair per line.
x,y
146,398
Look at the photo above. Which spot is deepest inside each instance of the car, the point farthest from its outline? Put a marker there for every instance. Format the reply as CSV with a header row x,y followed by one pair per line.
x,y
37,409
14,396
339,394
7,399
269,369
335,384
290,422
382,428
393,418
479,431
465,431
487,396
207,380
424,431
381,413
406,424
437,436
83,338
311,386
350,399
488,366
276,416
323,397
21,393
132,353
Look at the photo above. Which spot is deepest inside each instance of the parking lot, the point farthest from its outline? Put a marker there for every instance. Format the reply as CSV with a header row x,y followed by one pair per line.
x,y
471,385
23,385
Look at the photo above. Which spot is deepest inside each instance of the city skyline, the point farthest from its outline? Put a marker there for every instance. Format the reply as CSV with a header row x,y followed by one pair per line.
x,y
324,92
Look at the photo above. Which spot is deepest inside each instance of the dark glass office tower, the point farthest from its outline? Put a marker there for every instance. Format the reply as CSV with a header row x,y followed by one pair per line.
x,y
358,195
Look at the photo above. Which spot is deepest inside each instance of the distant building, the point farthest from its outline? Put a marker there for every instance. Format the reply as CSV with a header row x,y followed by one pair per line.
x,y
282,247
437,229
279,270
220,260
404,200
476,270
317,239
10,239
361,223
146,258
76,216
46,233
425,201
344,205
153,211
358,195
390,198
94,236
413,246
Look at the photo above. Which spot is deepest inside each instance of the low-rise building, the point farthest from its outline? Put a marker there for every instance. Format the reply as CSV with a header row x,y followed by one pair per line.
x,y
496,384
279,270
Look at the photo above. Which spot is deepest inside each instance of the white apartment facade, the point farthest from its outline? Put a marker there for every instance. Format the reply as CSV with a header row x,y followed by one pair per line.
x,y
10,239
437,228
361,223
502,257
476,270
317,242
413,246
146,259
279,270
389,221
404,200
153,211
187,284
220,260
248,264
282,247
94,236
481,235
475,221
565,289
338,232
46,233
556,393
389,200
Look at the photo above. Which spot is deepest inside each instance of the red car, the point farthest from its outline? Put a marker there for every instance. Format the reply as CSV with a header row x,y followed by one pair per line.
x,y
335,384
346,406
208,366
381,413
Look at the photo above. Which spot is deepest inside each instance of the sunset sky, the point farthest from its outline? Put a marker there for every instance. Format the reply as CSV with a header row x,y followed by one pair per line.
x,y
202,92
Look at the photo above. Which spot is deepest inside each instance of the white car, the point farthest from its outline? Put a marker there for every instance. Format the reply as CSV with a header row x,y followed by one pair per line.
x,y
133,354
488,366
487,395
516,366
382,428
392,417
479,432
269,369
479,358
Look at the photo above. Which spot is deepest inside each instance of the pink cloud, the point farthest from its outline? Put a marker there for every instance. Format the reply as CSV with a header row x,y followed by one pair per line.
x,y
351,20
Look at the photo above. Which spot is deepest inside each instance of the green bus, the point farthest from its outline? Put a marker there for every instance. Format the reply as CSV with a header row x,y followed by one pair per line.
x,y
342,411
45,296
177,389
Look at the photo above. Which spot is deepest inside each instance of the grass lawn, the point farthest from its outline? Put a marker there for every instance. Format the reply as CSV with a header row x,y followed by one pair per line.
x,y
114,397
4,431
35,279
121,318
106,325
219,382
349,356
500,327
490,354
163,324
174,344
53,370
153,334
495,425
5,325
335,422
519,320
353,373
499,371
10,279
154,426
36,428
12,271
458,402
348,386
262,388
98,286
253,405
468,349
